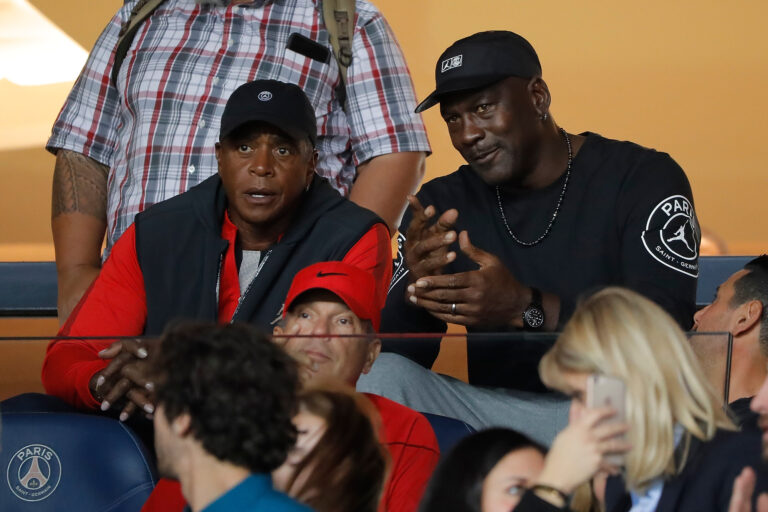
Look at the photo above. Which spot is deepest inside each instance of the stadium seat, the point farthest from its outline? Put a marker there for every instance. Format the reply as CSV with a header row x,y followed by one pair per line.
x,y
54,459
713,270
448,431
29,288
35,402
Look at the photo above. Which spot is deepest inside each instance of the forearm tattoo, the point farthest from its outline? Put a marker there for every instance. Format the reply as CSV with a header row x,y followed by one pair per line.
x,y
79,185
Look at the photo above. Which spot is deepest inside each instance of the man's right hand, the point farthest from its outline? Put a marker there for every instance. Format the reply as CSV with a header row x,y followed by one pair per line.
x,y
426,243
126,378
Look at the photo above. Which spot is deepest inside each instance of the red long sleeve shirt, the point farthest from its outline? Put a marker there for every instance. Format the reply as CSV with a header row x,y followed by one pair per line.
x,y
115,305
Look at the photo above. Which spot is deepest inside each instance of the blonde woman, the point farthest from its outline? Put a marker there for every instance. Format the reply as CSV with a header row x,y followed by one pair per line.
x,y
683,451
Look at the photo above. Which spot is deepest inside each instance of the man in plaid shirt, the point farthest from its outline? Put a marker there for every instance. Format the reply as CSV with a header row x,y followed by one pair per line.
x,y
121,148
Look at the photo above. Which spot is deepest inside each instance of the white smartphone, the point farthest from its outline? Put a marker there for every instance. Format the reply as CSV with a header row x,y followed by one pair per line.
x,y
607,391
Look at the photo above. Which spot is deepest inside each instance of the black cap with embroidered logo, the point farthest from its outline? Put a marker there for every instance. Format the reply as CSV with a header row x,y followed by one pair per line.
x,y
479,60
280,104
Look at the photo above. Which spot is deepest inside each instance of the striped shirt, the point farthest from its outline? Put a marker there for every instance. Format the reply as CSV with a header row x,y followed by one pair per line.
x,y
157,128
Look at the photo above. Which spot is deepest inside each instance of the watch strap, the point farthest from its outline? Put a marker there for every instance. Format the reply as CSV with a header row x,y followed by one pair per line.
x,y
535,311
536,297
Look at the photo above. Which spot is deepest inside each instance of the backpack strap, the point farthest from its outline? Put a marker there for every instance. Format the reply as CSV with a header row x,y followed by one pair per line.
x,y
338,17
140,12
339,20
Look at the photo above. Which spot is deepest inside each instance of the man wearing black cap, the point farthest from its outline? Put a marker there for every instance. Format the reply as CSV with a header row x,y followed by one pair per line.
x,y
537,217
137,130
224,251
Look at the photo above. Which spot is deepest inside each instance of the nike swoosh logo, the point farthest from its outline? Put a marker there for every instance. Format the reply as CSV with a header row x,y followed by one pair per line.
x,y
326,274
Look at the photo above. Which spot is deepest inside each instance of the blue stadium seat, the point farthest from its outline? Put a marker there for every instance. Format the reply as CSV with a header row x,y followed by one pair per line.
x,y
713,270
448,431
53,460
28,288
35,402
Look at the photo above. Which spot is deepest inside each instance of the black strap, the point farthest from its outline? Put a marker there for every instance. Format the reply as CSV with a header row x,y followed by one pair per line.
x,y
339,21
340,29
140,12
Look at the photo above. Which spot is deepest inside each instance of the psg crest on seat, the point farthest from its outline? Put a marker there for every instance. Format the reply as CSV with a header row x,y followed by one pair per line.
x,y
34,472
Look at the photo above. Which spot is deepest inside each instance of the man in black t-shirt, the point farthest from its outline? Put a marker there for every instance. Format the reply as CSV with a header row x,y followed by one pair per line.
x,y
538,217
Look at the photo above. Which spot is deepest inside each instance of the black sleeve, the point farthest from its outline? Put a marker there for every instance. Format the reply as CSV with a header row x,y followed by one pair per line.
x,y
532,503
660,235
399,316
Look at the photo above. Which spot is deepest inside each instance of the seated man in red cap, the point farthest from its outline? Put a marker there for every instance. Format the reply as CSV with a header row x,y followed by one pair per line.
x,y
333,298
224,251
337,305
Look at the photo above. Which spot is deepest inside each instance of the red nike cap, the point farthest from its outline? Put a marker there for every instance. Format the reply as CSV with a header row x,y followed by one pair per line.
x,y
354,286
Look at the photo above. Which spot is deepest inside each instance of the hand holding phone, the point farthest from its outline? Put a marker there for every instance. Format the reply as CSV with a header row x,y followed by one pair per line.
x,y
578,452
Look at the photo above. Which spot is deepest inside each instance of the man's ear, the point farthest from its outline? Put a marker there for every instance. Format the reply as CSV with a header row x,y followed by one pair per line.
x,y
312,167
540,97
747,316
374,349
182,424
217,148
277,329
315,158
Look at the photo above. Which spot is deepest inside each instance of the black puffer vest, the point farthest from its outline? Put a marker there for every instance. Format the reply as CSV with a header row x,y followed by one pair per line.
x,y
180,249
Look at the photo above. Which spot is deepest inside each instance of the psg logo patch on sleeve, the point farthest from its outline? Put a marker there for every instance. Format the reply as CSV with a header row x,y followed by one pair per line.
x,y
400,270
672,235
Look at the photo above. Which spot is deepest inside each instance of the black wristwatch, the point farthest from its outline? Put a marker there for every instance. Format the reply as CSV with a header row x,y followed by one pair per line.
x,y
533,316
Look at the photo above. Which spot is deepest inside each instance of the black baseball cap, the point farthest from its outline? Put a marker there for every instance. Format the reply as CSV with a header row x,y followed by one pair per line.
x,y
280,104
479,60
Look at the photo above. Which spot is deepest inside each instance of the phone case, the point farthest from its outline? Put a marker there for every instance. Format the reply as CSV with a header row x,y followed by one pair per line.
x,y
608,391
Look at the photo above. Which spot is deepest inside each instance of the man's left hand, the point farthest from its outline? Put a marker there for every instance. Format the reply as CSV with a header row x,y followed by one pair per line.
x,y
489,296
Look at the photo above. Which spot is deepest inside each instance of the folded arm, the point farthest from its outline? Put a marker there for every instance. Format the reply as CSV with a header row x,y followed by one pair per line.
x,y
114,305
78,223
384,182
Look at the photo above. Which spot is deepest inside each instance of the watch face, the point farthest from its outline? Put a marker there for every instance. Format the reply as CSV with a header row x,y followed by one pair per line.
x,y
534,317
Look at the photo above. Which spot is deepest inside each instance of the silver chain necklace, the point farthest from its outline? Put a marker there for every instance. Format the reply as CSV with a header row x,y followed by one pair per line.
x,y
559,200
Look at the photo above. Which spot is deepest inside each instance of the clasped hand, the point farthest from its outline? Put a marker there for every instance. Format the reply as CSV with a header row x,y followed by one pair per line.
x,y
489,296
125,381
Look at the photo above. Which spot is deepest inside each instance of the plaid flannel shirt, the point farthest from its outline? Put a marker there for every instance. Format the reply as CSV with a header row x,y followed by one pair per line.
x,y
157,128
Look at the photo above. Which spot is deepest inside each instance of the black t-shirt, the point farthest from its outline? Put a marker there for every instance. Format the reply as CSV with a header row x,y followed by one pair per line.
x,y
626,219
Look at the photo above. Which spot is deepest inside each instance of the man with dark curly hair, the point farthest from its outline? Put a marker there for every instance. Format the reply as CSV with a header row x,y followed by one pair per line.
x,y
225,397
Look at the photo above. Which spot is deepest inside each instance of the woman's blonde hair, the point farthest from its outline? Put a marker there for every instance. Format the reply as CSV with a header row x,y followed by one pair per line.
x,y
620,333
